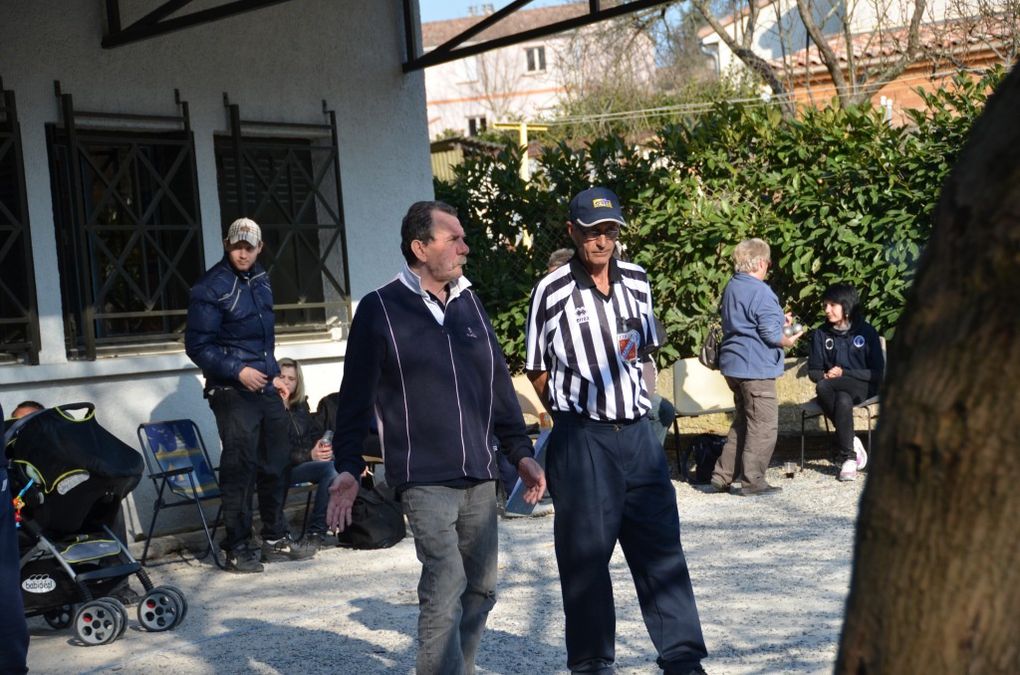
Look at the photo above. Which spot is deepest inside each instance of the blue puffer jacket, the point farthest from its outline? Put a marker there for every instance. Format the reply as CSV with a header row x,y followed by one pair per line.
x,y
231,325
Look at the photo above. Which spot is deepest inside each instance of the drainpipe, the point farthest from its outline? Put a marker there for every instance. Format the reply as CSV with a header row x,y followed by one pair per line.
x,y
712,54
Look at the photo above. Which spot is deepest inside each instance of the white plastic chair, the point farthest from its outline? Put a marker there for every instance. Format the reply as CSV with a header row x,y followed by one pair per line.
x,y
698,391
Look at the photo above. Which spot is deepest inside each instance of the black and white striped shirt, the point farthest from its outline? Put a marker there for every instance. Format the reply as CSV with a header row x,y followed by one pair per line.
x,y
590,344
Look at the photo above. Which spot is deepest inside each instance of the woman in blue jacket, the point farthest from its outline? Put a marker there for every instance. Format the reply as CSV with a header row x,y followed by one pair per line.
x,y
847,363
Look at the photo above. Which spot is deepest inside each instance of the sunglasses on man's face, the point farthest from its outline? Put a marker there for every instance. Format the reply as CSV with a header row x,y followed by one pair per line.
x,y
590,233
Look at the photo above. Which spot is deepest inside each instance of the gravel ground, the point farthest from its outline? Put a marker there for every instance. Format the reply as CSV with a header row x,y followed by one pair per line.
x,y
771,575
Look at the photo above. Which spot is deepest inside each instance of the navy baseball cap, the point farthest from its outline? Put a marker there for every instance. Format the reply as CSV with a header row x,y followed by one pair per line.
x,y
595,205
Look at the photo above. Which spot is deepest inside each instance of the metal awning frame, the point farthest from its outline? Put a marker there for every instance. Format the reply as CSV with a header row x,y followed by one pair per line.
x,y
451,50
159,22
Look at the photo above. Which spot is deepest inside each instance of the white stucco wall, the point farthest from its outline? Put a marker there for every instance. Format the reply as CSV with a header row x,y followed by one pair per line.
x,y
278,64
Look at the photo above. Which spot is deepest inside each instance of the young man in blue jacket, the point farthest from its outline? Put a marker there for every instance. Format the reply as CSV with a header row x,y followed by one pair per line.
x,y
423,359
231,336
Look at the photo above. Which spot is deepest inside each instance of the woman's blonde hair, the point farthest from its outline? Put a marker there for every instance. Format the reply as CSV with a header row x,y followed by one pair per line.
x,y
298,395
749,254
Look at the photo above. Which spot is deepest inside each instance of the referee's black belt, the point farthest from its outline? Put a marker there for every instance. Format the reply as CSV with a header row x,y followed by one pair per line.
x,y
584,420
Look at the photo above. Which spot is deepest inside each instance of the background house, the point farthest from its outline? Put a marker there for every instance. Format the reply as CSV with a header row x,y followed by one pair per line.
x,y
525,81
868,38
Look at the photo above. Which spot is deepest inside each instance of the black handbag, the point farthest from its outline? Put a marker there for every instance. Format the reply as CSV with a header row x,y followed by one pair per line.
x,y
376,521
709,354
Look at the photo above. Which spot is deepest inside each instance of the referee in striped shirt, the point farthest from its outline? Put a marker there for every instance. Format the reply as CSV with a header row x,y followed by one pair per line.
x,y
589,328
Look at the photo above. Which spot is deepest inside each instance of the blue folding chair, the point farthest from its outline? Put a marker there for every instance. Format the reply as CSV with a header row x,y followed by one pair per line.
x,y
178,462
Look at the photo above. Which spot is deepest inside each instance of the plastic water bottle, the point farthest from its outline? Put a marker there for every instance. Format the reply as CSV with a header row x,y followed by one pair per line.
x,y
327,438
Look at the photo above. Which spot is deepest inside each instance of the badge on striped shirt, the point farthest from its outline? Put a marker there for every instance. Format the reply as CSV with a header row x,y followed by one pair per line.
x,y
628,344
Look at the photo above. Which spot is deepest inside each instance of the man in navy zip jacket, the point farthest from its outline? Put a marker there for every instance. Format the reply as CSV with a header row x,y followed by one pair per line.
x,y
231,336
423,359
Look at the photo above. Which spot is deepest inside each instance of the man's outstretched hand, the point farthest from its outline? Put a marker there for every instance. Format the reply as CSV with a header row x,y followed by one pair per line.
x,y
342,492
534,479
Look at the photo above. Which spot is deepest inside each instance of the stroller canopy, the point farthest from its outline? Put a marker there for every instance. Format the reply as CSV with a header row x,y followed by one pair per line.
x,y
82,471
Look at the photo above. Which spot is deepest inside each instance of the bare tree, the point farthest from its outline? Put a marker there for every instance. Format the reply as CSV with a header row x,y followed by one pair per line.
x,y
936,579
498,74
990,25
862,44
608,66
858,84
740,42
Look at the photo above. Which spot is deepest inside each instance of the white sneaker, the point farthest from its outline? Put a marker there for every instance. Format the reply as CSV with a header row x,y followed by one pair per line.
x,y
848,471
862,454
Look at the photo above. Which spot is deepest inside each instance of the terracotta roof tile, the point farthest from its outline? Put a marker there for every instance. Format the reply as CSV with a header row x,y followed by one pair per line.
x,y
949,36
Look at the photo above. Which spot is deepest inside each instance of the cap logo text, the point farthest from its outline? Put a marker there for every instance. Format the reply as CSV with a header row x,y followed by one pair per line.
x,y
601,203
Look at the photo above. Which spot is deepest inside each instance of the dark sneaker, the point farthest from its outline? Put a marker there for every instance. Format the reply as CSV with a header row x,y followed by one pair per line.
x,y
675,669
287,549
243,559
317,539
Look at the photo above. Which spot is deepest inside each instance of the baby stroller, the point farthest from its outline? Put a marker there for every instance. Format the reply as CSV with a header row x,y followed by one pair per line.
x,y
71,475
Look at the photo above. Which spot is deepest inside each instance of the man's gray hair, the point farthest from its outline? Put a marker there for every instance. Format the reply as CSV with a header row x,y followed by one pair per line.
x,y
749,254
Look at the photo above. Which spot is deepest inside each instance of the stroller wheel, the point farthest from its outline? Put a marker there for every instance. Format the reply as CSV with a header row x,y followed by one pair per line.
x,y
60,618
183,601
159,610
95,623
119,610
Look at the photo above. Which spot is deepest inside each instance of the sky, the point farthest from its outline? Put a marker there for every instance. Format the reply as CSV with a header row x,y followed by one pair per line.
x,y
440,10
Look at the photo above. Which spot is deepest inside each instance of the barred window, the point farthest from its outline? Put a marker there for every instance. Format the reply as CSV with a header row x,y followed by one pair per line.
x,y
19,328
129,240
290,186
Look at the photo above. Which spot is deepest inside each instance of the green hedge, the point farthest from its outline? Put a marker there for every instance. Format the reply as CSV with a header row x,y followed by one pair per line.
x,y
840,195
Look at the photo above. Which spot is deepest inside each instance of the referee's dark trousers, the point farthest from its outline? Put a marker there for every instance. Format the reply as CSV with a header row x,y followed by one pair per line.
x,y
609,482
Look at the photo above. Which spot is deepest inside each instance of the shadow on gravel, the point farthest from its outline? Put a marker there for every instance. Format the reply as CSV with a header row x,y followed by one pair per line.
x,y
254,645
499,652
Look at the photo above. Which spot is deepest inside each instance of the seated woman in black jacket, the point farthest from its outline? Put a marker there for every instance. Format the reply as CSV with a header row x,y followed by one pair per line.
x,y
311,455
847,363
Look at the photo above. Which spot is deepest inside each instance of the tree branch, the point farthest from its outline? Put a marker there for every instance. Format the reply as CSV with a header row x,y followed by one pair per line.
x,y
756,63
825,52
907,57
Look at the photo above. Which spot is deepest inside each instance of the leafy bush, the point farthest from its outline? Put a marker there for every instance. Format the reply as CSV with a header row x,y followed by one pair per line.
x,y
839,194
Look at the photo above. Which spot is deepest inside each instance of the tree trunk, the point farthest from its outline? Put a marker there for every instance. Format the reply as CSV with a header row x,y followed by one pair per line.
x,y
936,579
